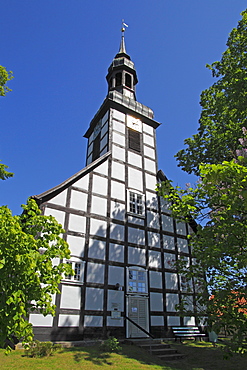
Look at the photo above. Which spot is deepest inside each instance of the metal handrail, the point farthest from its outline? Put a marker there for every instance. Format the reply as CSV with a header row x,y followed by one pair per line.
x,y
138,326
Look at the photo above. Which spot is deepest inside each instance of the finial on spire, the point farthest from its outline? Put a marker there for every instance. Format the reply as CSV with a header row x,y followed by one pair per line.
x,y
122,45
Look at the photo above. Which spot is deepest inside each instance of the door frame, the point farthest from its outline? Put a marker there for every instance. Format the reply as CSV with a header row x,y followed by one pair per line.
x,y
128,323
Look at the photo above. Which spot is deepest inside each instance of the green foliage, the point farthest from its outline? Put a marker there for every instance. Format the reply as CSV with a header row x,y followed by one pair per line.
x,y
41,349
224,107
5,76
3,173
28,277
111,345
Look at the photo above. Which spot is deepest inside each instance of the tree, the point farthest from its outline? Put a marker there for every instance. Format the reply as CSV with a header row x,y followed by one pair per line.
x,y
224,107
218,202
4,78
29,245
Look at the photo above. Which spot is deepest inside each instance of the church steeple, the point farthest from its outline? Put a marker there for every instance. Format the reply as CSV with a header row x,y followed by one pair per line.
x,y
121,75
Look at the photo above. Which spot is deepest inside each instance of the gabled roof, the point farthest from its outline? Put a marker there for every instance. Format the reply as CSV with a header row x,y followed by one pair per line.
x,y
49,194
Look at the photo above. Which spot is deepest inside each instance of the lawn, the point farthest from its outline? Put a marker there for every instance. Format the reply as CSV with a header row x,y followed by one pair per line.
x,y
199,356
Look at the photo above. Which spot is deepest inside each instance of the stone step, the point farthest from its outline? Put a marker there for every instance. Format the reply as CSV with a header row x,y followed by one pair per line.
x,y
163,351
172,357
155,345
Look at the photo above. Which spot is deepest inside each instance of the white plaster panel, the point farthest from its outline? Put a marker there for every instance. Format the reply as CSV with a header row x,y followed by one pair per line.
x,y
98,227
153,219
135,159
169,260
105,118
59,215
117,211
168,242
96,249
171,302
171,280
151,200
76,245
182,245
82,183
104,129
95,272
164,204
118,115
78,200
156,302
116,252
70,297
94,321
153,239
99,206
150,166
40,320
103,142
155,279
60,199
188,301
116,275
114,322
136,236
154,259
167,223
102,168
94,299
77,223
136,256
173,321
100,185
181,228
118,126
149,152
135,180
118,139
148,129
190,321
118,171
151,182
149,140
157,320
117,232
117,190
118,153
68,320
135,220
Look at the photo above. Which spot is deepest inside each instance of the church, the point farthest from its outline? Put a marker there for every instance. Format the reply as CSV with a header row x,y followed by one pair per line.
x,y
122,238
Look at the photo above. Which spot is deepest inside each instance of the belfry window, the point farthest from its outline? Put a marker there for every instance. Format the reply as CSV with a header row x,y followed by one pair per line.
x,y
118,79
128,80
96,147
134,140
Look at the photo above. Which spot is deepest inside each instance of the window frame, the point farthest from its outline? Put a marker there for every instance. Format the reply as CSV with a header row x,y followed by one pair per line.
x,y
136,203
72,278
140,284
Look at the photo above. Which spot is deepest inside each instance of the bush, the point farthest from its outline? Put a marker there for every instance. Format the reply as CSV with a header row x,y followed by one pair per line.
x,y
111,345
41,349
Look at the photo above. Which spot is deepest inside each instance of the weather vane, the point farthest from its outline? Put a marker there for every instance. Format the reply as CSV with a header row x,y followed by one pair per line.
x,y
123,26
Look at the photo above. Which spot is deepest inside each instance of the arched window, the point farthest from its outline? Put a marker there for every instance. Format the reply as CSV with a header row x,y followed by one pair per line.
x,y
128,80
118,79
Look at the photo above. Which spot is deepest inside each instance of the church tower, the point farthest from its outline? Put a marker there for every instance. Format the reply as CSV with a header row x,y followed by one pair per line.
x,y
122,238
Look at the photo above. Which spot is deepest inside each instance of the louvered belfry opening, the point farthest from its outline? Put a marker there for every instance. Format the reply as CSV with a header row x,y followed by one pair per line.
x,y
134,140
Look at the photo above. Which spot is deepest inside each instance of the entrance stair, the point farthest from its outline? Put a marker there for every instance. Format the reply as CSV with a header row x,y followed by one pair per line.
x,y
157,348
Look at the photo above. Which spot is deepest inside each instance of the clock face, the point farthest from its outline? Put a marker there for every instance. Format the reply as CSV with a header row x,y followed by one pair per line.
x,y
134,123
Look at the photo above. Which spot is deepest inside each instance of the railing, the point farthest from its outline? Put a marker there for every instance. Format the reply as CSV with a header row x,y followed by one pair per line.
x,y
139,327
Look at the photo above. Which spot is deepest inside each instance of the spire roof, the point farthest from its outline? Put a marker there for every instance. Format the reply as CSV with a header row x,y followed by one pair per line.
x,y
122,50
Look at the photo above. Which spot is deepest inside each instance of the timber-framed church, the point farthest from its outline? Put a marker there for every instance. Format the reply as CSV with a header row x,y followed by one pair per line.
x,y
122,238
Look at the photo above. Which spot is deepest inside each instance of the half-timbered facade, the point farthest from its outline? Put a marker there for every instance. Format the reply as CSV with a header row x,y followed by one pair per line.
x,y
122,238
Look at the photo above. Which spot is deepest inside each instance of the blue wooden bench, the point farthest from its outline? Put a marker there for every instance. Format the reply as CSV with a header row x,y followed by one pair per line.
x,y
187,332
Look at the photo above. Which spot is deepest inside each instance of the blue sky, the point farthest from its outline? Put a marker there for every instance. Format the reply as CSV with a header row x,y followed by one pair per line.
x,y
59,52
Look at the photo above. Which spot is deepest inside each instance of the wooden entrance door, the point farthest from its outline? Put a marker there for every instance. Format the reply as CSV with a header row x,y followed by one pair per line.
x,y
138,312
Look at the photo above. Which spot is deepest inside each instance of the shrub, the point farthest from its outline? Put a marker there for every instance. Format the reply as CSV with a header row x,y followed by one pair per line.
x,y
111,345
41,349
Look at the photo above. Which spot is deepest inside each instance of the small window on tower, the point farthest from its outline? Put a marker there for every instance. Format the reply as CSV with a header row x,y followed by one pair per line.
x,y
136,204
118,79
128,80
96,147
134,140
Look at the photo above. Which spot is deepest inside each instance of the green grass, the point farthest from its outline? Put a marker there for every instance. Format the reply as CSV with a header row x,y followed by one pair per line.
x,y
199,356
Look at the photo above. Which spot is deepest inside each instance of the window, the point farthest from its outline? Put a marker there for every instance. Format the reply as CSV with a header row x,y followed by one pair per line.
x,y
128,80
134,140
137,281
78,272
118,79
96,147
136,203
